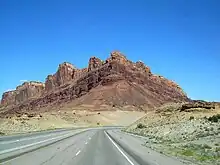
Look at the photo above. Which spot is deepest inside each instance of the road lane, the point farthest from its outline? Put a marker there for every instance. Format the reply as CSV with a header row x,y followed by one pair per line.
x,y
32,146
8,143
101,151
54,154
101,146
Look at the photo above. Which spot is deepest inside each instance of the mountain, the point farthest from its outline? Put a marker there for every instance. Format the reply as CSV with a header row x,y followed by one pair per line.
x,y
116,81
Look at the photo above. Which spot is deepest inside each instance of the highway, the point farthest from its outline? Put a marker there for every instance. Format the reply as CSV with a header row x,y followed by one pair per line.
x,y
85,146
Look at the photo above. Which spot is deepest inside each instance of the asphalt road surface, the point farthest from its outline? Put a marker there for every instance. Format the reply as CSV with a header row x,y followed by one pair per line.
x,y
102,146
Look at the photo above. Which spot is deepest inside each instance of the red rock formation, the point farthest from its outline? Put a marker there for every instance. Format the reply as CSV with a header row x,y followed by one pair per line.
x,y
8,98
64,74
50,83
80,73
94,63
118,81
29,90
118,57
142,67
23,93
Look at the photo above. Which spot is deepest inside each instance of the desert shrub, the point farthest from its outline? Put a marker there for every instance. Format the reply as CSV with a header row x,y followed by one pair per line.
x,y
206,146
217,149
191,117
2,133
140,126
30,115
187,152
214,118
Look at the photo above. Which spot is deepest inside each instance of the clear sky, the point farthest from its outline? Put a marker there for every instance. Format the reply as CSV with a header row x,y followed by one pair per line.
x,y
178,39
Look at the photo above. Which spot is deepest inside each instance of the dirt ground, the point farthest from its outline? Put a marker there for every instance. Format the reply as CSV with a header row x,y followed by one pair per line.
x,y
67,119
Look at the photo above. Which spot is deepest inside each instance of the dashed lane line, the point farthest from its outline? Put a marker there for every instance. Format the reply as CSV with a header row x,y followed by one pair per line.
x,y
78,152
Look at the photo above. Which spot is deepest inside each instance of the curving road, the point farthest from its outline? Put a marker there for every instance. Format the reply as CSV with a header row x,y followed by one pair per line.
x,y
89,146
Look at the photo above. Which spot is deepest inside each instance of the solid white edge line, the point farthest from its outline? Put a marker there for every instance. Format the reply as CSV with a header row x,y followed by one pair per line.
x,y
78,152
120,150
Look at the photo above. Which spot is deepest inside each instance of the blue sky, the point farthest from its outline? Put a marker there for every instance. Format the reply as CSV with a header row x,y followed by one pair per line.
x,y
179,39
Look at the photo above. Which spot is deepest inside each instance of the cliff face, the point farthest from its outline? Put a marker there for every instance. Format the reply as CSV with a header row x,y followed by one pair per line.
x,y
66,72
8,98
115,81
29,90
94,63
23,93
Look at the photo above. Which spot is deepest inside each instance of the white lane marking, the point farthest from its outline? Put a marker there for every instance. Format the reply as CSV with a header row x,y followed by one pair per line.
x,y
86,143
120,150
78,152
32,144
89,138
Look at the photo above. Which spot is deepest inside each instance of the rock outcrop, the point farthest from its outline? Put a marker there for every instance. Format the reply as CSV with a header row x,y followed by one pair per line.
x,y
114,82
24,92
66,73
197,104
188,106
142,67
8,98
28,90
118,57
94,63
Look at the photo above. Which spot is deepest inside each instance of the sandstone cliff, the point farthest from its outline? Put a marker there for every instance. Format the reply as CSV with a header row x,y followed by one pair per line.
x,y
24,92
115,82
94,63
66,72
8,98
